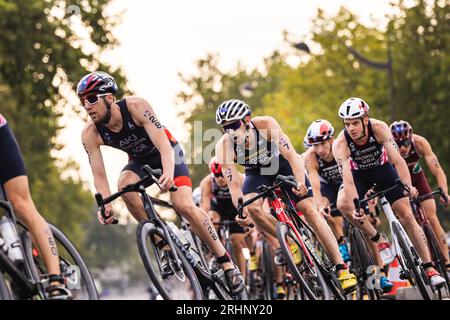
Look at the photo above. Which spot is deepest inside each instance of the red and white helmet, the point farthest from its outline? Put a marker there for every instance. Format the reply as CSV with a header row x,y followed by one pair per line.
x,y
214,166
320,130
353,108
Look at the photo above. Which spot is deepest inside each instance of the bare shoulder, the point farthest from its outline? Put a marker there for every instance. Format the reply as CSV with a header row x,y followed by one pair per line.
x,y
136,102
206,182
90,133
263,121
378,125
421,143
310,156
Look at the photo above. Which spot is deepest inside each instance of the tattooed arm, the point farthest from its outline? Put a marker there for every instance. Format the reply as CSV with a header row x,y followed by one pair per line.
x,y
225,156
207,190
144,116
383,135
424,148
91,142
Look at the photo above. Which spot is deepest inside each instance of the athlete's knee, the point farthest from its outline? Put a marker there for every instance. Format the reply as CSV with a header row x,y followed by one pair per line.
x,y
187,209
256,211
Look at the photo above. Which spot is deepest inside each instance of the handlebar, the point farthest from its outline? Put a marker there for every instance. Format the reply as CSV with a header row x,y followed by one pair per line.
x,y
280,179
151,174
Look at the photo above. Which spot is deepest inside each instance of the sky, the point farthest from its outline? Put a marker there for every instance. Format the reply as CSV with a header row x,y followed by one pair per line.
x,y
158,39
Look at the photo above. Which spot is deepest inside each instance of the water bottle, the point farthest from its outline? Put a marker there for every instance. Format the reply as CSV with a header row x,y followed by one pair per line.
x,y
386,253
11,245
178,233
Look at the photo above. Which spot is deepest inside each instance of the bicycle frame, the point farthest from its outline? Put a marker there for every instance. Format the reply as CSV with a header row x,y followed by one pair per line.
x,y
29,287
204,276
391,219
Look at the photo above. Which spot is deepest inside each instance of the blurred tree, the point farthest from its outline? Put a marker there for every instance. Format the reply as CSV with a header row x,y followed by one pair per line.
x,y
418,36
45,48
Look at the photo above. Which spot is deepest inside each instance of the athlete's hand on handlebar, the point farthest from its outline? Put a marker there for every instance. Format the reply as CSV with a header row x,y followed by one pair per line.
x,y
412,191
246,220
325,211
301,190
444,201
166,182
108,213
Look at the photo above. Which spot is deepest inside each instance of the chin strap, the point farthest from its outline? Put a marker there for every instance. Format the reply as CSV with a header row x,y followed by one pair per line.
x,y
108,112
363,134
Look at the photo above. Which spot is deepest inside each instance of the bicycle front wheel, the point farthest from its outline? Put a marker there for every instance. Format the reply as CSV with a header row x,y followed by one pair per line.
x,y
307,274
414,272
79,279
174,280
4,292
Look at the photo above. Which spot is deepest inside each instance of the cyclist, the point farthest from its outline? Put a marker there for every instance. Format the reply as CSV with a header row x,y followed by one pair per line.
x,y
14,182
216,200
363,151
132,126
412,148
260,145
323,173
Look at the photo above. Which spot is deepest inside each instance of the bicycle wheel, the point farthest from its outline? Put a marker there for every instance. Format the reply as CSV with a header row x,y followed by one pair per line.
x,y
308,275
361,263
172,283
4,292
79,279
436,253
410,257
267,272
325,264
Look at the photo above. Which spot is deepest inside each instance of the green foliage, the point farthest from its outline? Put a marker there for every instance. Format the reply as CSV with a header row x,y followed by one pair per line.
x,y
417,37
41,60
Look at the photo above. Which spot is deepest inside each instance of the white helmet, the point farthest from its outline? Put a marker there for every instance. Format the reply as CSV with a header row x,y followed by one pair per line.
x,y
320,130
231,110
197,196
353,108
306,143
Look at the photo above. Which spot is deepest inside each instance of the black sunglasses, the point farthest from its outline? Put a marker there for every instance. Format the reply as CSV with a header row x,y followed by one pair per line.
x,y
232,126
405,143
218,175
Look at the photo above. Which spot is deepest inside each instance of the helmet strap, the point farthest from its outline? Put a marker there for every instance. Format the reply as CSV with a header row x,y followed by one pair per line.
x,y
363,134
107,117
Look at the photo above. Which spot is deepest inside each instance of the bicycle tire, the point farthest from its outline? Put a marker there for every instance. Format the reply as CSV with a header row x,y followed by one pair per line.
x,y
285,230
410,263
436,253
4,292
268,272
326,266
146,230
361,262
77,281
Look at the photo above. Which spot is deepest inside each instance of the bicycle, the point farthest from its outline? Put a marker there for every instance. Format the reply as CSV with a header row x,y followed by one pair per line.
x,y
409,261
175,268
261,281
361,262
28,279
291,234
433,245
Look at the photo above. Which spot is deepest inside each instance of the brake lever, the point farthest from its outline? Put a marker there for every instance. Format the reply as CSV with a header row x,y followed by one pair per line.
x,y
240,209
101,205
358,208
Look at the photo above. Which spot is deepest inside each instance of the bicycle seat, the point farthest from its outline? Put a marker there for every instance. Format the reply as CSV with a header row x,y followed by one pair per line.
x,y
286,179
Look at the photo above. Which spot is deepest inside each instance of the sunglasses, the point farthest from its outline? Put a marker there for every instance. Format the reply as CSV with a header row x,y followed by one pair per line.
x,y
92,99
232,126
405,143
218,175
